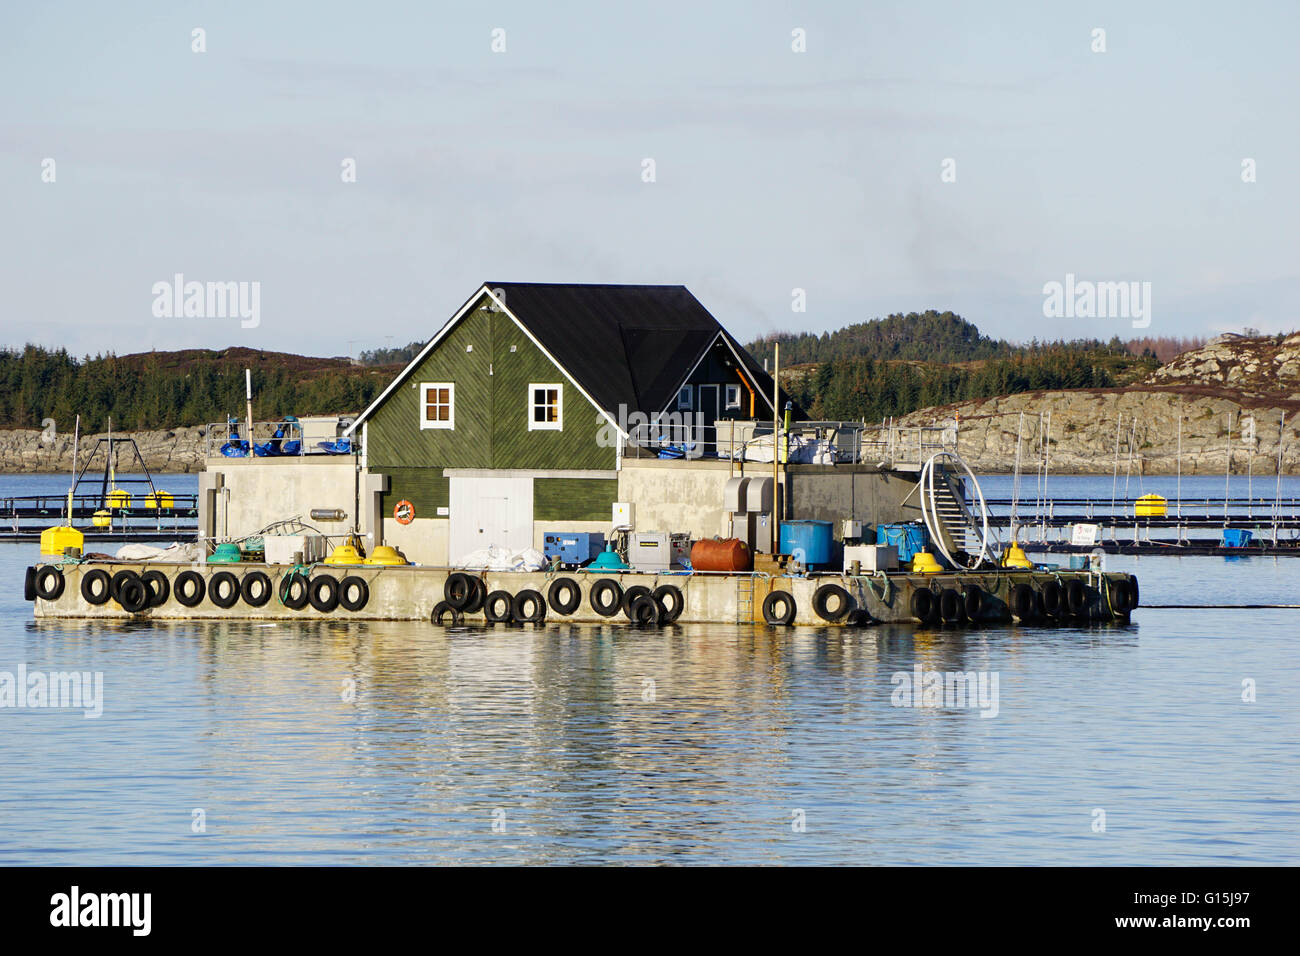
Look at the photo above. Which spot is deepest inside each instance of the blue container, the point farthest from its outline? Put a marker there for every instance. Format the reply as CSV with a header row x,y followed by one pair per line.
x,y
1235,537
573,547
908,538
807,541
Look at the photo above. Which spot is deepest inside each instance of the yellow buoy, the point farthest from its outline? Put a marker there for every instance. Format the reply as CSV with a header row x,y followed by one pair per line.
x,y
1016,558
159,499
344,554
102,519
923,562
384,554
57,540
118,498
1151,506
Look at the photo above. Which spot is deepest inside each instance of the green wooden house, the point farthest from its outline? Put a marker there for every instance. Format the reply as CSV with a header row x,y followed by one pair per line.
x,y
516,414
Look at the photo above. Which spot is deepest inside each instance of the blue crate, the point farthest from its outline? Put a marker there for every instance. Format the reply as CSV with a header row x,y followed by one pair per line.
x,y
1236,537
573,547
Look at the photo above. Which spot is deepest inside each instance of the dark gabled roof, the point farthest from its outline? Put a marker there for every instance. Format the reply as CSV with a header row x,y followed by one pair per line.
x,y
630,345
625,345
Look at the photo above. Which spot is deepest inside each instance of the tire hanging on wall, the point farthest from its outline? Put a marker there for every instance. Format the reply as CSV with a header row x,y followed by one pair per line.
x,y
643,610
1024,602
822,601
160,588
671,602
293,590
783,600
630,595
189,588
606,597
95,586
1076,597
1133,583
973,597
115,586
458,590
132,594
498,607
1121,597
1053,598
952,608
49,583
223,589
477,598
556,596
354,583
923,605
324,593
528,607
256,589
29,585
444,615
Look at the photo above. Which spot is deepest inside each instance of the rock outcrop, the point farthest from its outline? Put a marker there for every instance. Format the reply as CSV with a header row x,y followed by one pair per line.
x,y
31,450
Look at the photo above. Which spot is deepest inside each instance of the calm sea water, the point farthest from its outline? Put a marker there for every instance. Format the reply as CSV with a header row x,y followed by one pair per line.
x,y
406,743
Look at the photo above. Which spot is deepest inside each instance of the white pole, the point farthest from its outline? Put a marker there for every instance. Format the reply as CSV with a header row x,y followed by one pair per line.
x,y
248,395
76,442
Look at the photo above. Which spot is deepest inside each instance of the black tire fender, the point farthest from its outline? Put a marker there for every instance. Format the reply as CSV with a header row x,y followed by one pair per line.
x,y
458,590
189,588
1133,582
29,585
133,594
973,597
324,593
354,582
294,590
115,586
476,599
498,607
644,610
1053,598
952,608
49,583
528,607
1024,602
630,595
606,607
444,615
923,605
671,602
160,588
1076,597
223,589
96,586
822,599
256,588
783,600
555,596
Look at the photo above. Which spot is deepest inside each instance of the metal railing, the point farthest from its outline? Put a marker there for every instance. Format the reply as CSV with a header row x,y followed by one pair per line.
x,y
274,439
806,442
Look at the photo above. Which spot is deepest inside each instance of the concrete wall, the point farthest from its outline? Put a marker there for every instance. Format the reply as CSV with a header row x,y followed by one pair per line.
x,y
259,491
423,541
835,492
681,495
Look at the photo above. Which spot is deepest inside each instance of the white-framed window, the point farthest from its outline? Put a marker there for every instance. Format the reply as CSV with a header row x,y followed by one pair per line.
x,y
733,396
545,406
684,397
437,405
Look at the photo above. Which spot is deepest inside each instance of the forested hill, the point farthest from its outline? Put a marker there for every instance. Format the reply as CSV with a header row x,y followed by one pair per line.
x,y
169,389
921,336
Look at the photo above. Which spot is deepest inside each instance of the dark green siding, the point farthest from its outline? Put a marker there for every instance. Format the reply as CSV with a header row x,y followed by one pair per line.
x,y
425,488
573,499
491,408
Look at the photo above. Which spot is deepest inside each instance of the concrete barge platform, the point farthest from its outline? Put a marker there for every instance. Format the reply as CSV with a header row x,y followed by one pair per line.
x,y
249,591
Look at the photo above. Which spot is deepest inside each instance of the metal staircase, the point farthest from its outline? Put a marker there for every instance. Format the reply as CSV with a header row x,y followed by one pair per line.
x,y
954,515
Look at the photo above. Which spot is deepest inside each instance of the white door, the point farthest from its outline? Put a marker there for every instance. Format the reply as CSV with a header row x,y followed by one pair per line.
x,y
490,512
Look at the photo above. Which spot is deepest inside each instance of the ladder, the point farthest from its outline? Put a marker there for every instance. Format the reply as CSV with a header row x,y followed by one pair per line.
x,y
954,516
745,599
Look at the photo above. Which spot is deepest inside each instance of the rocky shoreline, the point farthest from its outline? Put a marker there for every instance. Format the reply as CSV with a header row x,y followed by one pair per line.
x,y
32,451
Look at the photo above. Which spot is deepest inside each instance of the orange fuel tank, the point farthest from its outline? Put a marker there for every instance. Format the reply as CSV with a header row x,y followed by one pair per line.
x,y
726,554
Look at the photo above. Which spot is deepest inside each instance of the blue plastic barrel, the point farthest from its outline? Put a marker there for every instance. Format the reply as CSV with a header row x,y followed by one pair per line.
x,y
1235,537
908,538
809,541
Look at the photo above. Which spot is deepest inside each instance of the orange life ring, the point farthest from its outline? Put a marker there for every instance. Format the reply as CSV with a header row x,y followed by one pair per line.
x,y
404,512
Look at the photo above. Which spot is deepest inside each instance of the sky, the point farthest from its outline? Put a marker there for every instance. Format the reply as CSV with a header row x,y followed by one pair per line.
x,y
910,156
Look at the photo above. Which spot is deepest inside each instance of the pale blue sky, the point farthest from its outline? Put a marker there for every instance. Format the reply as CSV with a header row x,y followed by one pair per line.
x,y
775,170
